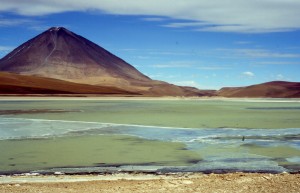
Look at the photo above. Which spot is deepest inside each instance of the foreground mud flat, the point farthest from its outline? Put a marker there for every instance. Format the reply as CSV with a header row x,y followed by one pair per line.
x,y
183,182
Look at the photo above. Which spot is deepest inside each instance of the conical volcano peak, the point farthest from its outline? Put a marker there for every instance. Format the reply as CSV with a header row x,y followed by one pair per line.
x,y
62,54
57,29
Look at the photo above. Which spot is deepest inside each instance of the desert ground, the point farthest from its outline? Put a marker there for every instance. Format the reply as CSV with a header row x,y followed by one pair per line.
x,y
127,183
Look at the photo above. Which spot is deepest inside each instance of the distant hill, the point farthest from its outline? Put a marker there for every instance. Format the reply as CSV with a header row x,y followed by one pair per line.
x,y
61,54
275,89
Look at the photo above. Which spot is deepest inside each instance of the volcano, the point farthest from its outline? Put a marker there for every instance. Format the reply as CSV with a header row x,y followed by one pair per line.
x,y
61,54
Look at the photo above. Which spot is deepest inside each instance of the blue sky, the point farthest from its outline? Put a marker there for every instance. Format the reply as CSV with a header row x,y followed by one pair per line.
x,y
206,44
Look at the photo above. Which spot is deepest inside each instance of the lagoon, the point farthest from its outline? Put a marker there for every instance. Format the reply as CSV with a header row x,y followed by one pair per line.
x,y
163,135
214,113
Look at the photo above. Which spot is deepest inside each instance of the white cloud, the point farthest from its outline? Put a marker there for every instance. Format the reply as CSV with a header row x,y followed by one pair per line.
x,y
280,77
171,66
155,76
184,24
277,63
14,22
165,77
257,53
193,83
175,64
196,65
245,28
6,48
213,68
262,53
171,53
248,74
141,57
154,19
246,16
186,83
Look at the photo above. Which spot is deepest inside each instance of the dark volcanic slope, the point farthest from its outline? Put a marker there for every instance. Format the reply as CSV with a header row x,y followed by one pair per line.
x,y
23,84
275,89
61,54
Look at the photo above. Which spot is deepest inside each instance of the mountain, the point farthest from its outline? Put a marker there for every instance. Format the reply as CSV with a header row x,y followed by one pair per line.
x,y
24,84
275,89
61,54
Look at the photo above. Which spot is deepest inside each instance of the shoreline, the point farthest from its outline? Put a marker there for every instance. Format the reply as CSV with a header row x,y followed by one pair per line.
x,y
116,169
61,177
140,98
183,182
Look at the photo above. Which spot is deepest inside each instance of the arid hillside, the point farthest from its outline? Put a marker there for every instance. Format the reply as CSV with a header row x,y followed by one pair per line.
x,y
23,84
275,89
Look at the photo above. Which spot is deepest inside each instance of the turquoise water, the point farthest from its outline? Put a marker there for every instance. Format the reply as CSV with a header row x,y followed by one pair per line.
x,y
255,114
254,135
226,149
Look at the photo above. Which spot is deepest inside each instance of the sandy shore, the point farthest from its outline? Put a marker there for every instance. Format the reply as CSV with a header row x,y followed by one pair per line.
x,y
127,183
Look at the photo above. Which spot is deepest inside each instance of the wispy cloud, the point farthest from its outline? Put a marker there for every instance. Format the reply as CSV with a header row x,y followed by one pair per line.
x,y
186,83
257,53
170,53
246,28
174,65
214,67
27,22
164,76
277,63
6,48
155,76
248,74
128,49
241,16
184,24
154,19
261,53
195,65
280,77
13,22
193,83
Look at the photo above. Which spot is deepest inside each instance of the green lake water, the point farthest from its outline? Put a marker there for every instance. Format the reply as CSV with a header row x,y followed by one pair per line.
x,y
170,113
167,135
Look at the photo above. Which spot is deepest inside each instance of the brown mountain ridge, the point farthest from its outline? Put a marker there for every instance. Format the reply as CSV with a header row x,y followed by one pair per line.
x,y
274,89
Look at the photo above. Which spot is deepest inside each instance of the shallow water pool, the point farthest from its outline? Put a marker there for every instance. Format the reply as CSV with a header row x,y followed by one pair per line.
x,y
227,149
